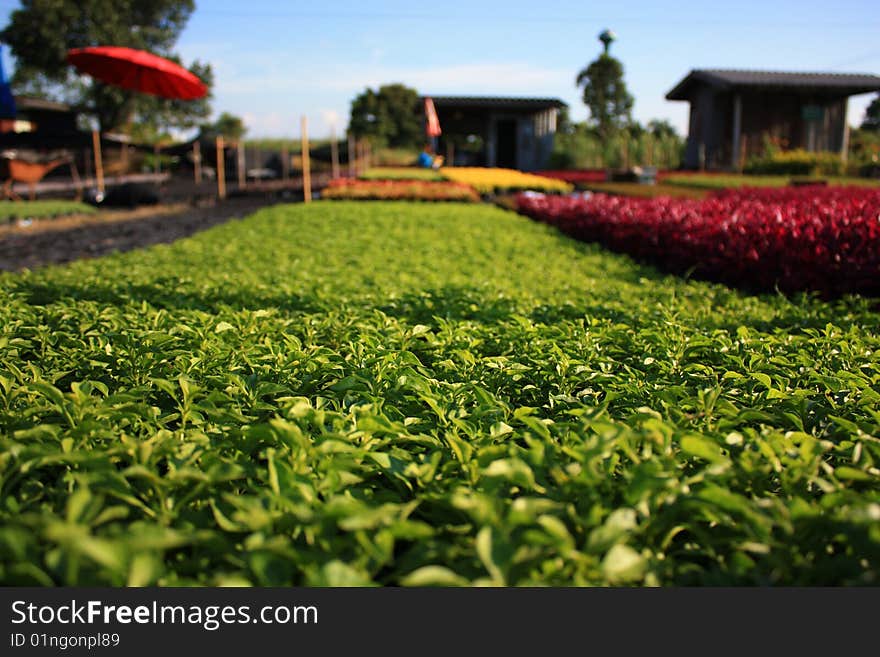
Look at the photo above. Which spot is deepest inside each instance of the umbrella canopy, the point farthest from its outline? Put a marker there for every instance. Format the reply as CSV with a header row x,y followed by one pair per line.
x,y
137,70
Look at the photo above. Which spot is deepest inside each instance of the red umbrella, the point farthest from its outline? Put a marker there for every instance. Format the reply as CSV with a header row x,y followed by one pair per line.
x,y
432,129
137,70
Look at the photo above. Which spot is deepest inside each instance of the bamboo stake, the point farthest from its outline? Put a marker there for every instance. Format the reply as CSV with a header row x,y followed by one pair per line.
x,y
99,167
351,155
307,174
197,161
334,153
242,180
221,169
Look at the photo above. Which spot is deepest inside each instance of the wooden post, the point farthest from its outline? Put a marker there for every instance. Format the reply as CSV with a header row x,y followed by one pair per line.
x,y
197,161
242,179
307,174
99,167
450,153
351,155
334,153
221,169
844,141
737,132
285,163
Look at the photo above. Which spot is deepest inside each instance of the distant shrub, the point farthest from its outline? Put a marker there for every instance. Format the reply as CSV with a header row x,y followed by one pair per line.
x,y
797,163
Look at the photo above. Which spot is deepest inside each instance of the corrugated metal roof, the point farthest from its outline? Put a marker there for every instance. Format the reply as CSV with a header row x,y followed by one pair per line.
x,y
844,83
497,102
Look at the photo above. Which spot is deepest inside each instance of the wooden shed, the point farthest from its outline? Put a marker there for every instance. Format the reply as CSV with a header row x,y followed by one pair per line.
x,y
515,133
734,112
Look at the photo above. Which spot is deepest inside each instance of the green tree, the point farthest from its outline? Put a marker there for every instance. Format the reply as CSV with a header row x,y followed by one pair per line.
x,y
389,116
872,116
41,32
227,125
606,96
662,129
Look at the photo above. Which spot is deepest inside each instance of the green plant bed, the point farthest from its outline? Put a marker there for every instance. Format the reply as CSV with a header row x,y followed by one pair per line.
x,y
400,173
728,181
347,393
643,191
11,210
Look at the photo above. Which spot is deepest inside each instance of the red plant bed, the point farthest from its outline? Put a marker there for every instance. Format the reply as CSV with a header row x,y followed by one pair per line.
x,y
806,238
398,190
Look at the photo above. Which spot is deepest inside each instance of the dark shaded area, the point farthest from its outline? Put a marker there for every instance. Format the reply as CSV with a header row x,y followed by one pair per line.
x,y
96,238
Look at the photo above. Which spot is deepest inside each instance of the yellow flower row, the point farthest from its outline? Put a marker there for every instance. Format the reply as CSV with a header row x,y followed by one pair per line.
x,y
487,181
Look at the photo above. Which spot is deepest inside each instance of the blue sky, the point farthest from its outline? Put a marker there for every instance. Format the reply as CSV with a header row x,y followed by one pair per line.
x,y
275,61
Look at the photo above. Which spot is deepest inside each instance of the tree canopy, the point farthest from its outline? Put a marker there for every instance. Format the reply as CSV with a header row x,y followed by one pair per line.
x,y
41,32
606,95
229,126
389,116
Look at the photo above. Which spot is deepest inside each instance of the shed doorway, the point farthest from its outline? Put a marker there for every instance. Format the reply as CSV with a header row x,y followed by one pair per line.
x,y
506,146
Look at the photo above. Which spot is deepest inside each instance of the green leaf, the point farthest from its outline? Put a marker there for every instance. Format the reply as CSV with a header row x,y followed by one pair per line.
x,y
622,565
433,576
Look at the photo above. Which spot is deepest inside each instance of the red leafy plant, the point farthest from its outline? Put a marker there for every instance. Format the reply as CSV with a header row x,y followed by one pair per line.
x,y
790,239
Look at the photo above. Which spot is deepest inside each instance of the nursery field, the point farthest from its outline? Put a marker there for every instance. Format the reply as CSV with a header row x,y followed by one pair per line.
x,y
11,210
389,393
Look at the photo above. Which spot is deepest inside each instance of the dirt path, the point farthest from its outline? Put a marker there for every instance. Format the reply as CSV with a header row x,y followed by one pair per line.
x,y
88,236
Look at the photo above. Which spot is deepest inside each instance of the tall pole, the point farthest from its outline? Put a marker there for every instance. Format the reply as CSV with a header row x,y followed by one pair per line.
x,y
197,162
99,167
334,153
307,174
242,180
221,169
737,132
351,155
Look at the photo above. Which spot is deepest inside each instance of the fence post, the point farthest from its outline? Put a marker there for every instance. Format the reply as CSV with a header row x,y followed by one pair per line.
x,y
334,153
242,180
221,169
99,166
197,162
307,174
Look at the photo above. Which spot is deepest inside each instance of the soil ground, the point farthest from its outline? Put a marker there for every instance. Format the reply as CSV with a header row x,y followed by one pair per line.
x,y
64,239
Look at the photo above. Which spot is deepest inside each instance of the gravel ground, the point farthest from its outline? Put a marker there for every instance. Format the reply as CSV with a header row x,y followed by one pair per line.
x,y
65,239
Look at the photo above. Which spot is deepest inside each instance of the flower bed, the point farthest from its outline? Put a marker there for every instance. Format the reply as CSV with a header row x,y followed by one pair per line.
x,y
489,181
576,176
810,238
400,173
398,190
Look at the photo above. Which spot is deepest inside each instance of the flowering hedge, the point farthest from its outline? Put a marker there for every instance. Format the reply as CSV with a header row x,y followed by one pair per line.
x,y
488,181
398,190
807,238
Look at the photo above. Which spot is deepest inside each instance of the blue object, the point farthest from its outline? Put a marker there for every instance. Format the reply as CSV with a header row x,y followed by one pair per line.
x,y
425,160
7,102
